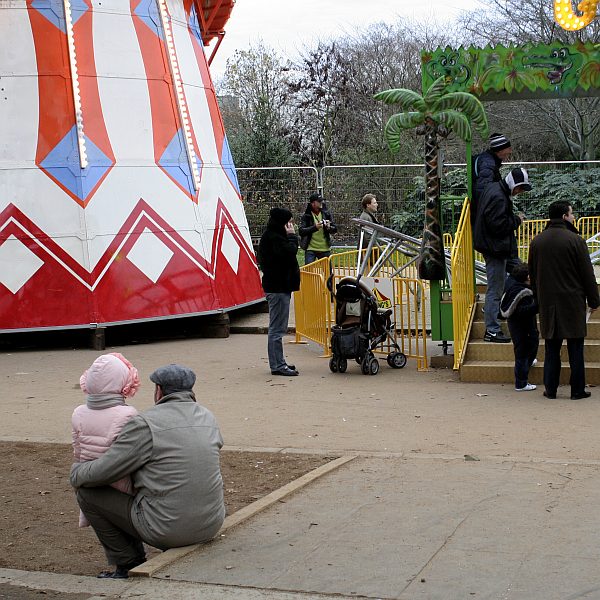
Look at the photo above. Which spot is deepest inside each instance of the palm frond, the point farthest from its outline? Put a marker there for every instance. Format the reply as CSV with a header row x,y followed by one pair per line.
x,y
455,121
399,123
469,105
408,99
435,91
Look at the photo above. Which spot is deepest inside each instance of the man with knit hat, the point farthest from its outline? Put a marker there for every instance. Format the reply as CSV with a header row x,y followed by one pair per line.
x,y
494,237
171,451
486,166
486,169
281,276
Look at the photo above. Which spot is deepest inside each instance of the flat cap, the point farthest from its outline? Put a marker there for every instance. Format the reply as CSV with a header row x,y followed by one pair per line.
x,y
174,378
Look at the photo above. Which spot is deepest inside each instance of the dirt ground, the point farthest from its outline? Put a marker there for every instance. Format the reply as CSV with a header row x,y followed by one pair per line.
x,y
38,527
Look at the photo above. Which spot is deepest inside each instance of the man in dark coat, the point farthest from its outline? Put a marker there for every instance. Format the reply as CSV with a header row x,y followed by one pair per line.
x,y
563,280
494,237
316,227
486,168
281,276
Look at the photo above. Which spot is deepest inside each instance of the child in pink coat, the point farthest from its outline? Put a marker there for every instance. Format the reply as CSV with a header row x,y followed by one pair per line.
x,y
96,424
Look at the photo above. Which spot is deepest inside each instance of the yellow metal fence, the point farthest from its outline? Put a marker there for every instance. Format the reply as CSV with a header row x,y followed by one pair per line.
x,y
463,284
315,306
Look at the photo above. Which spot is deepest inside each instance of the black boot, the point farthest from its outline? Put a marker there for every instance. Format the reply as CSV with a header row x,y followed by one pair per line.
x,y
122,571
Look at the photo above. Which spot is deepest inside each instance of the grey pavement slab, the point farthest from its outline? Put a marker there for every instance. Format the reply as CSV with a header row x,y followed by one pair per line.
x,y
407,528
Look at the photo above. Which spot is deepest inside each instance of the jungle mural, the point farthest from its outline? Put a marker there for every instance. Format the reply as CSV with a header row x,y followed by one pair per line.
x,y
517,72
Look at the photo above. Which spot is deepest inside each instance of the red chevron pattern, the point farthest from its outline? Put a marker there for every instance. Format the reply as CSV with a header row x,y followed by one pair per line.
x,y
188,284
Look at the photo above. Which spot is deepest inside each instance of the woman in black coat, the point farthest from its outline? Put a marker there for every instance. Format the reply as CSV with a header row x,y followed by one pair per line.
x,y
281,276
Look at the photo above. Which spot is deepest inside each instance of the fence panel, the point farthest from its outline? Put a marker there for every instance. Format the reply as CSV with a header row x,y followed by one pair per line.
x,y
410,303
264,188
399,190
312,305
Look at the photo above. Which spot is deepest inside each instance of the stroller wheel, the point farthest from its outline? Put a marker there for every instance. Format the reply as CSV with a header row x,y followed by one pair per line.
x,y
333,364
396,360
364,365
373,366
342,365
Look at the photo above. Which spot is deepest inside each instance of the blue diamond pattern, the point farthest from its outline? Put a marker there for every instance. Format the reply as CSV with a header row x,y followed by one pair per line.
x,y
63,164
147,11
175,162
54,11
193,23
228,166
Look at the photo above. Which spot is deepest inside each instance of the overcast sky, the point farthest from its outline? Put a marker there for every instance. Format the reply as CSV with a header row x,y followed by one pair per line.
x,y
287,25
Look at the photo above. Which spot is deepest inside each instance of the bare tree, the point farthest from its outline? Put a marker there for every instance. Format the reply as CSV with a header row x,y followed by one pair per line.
x,y
256,111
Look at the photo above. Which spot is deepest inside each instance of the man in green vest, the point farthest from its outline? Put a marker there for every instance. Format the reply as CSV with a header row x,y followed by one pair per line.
x,y
316,227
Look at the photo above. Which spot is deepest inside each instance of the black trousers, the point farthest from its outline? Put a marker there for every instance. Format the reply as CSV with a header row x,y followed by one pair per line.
x,y
109,512
576,362
526,341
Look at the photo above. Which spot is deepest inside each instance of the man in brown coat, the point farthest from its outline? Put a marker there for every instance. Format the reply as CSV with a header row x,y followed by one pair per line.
x,y
563,280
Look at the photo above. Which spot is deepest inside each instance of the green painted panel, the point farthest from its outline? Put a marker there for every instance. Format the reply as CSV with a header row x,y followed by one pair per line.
x,y
517,72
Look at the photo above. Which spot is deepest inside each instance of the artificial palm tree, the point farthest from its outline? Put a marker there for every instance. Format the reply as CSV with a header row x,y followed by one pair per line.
x,y
435,115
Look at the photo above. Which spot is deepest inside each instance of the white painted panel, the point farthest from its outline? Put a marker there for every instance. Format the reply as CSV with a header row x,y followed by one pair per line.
x,y
116,46
121,192
195,93
123,89
18,89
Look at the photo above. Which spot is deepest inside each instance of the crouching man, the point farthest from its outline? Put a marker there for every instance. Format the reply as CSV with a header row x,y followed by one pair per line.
x,y
171,452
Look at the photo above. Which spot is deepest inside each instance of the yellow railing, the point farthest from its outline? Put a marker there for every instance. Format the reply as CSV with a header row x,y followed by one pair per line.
x,y
526,232
588,227
312,304
410,319
463,284
315,307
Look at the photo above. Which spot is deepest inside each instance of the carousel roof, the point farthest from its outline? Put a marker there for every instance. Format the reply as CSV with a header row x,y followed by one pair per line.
x,y
213,15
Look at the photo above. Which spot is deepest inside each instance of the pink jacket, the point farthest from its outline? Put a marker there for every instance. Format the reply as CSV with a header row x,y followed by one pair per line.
x,y
94,431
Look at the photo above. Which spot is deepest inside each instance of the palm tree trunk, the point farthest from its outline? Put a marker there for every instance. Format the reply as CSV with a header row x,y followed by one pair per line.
x,y
432,265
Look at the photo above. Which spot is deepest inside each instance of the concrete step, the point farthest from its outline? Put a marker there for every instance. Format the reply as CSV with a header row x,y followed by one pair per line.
x,y
480,350
478,330
502,371
479,316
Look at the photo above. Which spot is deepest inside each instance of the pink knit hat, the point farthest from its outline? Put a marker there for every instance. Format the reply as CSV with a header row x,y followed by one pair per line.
x,y
111,374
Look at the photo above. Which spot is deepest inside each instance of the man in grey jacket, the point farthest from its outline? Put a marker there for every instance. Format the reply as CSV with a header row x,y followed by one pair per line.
x,y
171,451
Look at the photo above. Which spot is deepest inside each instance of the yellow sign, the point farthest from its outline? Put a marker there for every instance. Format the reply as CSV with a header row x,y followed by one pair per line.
x,y
382,301
568,19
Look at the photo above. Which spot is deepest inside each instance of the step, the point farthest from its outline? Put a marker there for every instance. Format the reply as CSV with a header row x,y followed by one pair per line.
x,y
478,329
485,371
489,351
479,316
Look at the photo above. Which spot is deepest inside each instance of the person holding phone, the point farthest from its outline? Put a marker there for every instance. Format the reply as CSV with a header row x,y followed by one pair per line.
x,y
281,276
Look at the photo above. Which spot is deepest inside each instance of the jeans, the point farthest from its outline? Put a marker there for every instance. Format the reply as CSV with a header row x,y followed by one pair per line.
x,y
495,270
109,512
279,314
525,344
312,255
552,365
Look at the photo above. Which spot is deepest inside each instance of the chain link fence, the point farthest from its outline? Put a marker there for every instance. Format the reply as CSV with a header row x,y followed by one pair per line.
x,y
400,191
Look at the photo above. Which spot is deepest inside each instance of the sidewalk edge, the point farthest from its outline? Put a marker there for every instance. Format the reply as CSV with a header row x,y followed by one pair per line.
x,y
161,561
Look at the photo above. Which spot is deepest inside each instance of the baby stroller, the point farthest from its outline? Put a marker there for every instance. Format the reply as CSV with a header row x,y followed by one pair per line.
x,y
360,326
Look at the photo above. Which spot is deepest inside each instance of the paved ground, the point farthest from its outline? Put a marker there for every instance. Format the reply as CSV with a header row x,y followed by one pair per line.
x,y
412,517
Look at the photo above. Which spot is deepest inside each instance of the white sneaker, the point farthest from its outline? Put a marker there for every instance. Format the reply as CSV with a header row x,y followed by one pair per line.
x,y
534,362
528,388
